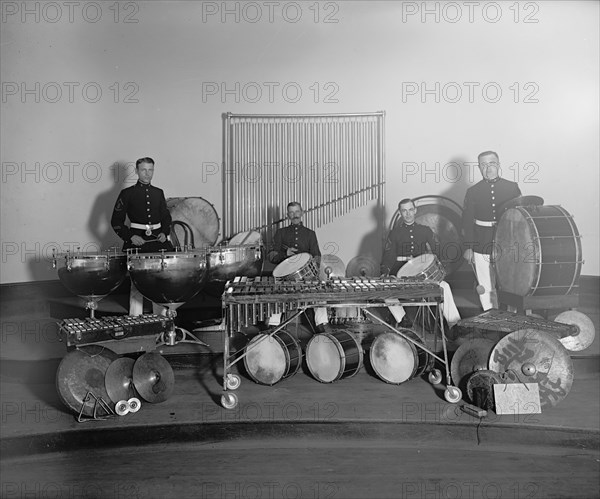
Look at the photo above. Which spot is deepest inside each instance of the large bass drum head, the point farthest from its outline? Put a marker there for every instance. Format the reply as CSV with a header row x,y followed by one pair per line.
x,y
265,359
200,215
393,358
517,256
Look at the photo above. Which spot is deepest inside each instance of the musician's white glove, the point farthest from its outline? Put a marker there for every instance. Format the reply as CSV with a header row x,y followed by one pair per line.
x,y
469,256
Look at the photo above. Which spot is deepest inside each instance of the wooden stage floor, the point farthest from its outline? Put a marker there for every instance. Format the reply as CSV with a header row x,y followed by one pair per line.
x,y
355,438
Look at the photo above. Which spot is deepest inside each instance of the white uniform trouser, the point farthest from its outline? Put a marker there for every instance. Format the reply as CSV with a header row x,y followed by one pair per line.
x,y
449,310
136,303
483,268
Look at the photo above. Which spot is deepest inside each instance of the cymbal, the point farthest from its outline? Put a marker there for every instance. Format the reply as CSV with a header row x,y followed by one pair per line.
x,y
362,266
585,326
331,266
81,371
153,377
119,379
522,201
470,357
533,356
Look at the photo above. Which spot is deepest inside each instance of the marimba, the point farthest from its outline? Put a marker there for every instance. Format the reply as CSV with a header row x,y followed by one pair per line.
x,y
248,301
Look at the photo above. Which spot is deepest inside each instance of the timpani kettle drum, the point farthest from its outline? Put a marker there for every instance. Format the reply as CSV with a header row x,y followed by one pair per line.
x,y
227,262
169,277
538,251
92,275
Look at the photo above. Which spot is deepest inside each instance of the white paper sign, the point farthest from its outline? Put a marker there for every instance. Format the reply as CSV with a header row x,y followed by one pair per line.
x,y
517,398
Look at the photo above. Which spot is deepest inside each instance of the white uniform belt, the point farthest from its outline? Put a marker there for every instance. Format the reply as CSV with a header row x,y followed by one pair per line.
x,y
145,226
485,223
403,258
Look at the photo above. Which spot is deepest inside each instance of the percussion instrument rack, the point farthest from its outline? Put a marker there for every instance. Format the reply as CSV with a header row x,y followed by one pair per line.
x,y
248,301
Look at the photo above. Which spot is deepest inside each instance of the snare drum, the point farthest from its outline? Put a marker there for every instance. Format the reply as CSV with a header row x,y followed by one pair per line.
x,y
297,268
538,251
92,274
396,360
271,359
173,277
333,356
227,262
424,267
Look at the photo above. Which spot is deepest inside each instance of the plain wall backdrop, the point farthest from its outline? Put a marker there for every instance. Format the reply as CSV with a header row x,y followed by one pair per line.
x,y
89,88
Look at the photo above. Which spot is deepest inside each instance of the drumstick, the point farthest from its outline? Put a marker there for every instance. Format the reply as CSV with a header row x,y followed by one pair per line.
x,y
480,289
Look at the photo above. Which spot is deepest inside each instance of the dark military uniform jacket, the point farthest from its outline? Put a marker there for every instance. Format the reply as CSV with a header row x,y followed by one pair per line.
x,y
294,236
482,203
143,204
407,241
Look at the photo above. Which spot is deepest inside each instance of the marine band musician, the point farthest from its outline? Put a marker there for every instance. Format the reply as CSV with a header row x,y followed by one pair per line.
x,y
294,239
149,223
406,241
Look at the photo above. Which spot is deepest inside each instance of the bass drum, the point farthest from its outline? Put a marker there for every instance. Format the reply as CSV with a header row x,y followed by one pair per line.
x,y
199,215
538,251
444,217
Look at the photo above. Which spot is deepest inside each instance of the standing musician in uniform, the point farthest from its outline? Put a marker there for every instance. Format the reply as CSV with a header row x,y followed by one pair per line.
x,y
294,239
480,216
149,222
406,241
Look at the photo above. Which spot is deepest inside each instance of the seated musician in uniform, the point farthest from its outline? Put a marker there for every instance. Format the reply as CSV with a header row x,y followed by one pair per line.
x,y
149,223
406,241
295,239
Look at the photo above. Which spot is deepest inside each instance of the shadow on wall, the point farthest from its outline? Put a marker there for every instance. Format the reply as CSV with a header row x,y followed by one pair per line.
x,y
371,244
102,209
102,237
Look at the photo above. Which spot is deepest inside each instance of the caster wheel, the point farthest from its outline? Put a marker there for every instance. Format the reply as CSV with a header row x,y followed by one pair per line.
x,y
233,381
229,400
122,407
453,394
134,404
435,377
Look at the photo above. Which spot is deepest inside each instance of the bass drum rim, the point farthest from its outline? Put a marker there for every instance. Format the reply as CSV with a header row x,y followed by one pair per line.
x,y
343,371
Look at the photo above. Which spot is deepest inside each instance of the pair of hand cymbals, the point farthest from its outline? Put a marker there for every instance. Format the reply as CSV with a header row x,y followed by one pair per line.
x,y
151,376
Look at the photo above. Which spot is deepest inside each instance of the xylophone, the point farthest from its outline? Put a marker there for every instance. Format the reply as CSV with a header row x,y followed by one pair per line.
x,y
247,301
117,328
251,300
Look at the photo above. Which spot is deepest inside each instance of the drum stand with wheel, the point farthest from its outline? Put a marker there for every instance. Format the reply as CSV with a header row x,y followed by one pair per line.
x,y
233,381
452,394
